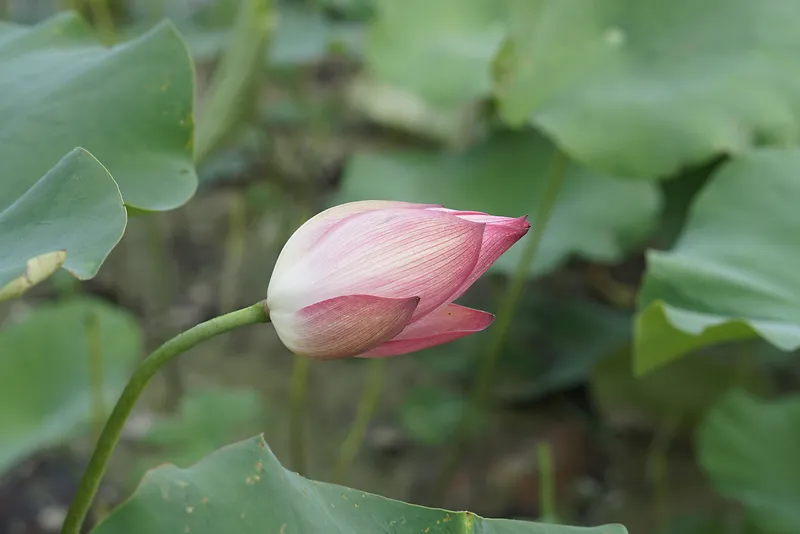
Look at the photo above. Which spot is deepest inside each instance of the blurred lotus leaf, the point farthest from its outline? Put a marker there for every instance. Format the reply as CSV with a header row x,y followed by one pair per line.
x,y
205,420
243,487
748,447
641,89
45,385
440,50
432,415
733,273
650,400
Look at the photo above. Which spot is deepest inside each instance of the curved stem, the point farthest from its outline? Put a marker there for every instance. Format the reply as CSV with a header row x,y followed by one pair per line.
x,y
508,306
96,374
366,408
547,483
297,413
256,313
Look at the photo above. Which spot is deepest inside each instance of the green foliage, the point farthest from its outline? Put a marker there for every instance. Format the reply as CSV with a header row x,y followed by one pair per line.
x,y
749,449
243,487
642,89
684,388
304,36
702,92
557,343
733,273
431,416
442,50
596,217
205,420
130,106
72,216
45,385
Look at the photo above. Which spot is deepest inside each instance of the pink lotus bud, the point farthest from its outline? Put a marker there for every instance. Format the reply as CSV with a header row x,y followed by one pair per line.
x,y
378,278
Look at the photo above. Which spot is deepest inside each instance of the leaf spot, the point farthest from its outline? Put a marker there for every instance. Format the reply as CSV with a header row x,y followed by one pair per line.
x,y
204,500
283,529
189,509
615,37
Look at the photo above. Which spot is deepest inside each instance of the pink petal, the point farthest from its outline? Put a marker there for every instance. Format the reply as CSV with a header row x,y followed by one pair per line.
x,y
499,235
309,233
393,253
343,326
446,324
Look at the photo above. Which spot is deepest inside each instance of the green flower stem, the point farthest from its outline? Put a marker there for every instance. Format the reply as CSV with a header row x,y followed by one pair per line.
x,y
499,330
366,409
297,413
231,97
657,465
235,248
547,483
254,314
96,375
103,21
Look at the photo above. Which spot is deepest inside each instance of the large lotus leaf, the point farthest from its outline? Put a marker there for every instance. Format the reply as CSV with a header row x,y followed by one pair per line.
x,y
45,385
441,50
73,216
641,89
130,106
733,273
596,216
243,488
749,448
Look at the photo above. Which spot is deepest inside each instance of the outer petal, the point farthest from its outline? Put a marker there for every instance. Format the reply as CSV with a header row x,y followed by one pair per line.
x,y
444,325
500,234
393,253
343,326
310,232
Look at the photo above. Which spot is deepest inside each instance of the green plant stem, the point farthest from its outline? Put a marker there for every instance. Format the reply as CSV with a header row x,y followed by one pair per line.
x,y
232,93
364,412
505,314
164,274
547,483
103,21
95,357
254,314
657,461
234,251
297,413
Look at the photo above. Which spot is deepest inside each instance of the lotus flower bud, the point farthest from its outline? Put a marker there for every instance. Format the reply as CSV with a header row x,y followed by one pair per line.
x,y
378,278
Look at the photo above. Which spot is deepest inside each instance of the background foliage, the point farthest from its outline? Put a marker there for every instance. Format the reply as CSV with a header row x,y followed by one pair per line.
x,y
647,376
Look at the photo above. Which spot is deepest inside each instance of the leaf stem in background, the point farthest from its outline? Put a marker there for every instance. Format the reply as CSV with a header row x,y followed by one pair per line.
x,y
95,359
254,314
103,21
297,414
657,460
547,483
160,296
232,90
505,314
364,412
234,251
